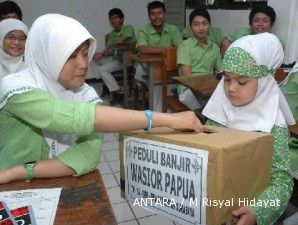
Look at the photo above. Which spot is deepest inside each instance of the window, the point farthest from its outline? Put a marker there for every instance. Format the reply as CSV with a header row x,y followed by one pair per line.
x,y
225,4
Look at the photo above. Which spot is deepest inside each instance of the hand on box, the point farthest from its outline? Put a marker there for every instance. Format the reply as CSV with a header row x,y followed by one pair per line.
x,y
246,216
186,121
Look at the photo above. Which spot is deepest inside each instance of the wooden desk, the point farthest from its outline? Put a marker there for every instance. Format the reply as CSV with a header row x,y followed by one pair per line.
x,y
155,69
203,85
83,199
294,130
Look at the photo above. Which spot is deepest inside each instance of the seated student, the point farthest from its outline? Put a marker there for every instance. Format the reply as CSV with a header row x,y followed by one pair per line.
x,y
248,98
48,113
215,35
10,9
261,19
110,59
197,55
290,91
13,35
154,38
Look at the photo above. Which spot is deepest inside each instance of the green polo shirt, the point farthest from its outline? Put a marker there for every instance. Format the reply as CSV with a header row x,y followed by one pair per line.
x,y
169,37
26,116
290,91
215,34
126,31
201,59
244,31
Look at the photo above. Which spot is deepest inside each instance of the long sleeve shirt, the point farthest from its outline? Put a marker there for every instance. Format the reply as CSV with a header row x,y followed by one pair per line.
x,y
27,115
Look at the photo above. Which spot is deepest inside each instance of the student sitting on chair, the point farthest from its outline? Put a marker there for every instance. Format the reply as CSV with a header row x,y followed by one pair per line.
x,y
261,19
110,59
214,34
154,38
13,35
197,55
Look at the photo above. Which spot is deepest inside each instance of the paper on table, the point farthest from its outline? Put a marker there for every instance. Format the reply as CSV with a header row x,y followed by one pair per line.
x,y
43,201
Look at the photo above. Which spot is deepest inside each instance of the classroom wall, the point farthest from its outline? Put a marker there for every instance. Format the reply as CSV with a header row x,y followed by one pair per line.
x,y
93,14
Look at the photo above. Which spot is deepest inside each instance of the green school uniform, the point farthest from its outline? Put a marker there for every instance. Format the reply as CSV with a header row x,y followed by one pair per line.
x,y
215,34
201,59
244,31
169,37
24,118
281,181
126,31
290,91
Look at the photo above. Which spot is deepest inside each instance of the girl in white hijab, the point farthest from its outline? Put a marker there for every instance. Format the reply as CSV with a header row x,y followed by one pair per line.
x,y
248,98
48,114
13,34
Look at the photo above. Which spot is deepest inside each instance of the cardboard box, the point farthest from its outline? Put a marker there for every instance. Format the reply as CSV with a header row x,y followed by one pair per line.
x,y
238,166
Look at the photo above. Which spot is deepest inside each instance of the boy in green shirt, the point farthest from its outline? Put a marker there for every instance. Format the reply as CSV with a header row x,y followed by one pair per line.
x,y
261,19
154,38
110,60
215,35
197,55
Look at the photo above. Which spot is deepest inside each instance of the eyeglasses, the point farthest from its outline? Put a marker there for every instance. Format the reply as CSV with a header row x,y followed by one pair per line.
x,y
21,39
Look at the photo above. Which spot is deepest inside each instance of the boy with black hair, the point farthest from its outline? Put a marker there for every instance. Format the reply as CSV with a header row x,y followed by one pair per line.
x,y
10,9
154,38
110,59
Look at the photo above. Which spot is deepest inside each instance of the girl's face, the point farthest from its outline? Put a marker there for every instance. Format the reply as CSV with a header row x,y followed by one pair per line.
x,y
260,23
74,71
14,43
200,26
240,90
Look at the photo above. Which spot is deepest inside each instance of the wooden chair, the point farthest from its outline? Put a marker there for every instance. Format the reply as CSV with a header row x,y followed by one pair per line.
x,y
169,69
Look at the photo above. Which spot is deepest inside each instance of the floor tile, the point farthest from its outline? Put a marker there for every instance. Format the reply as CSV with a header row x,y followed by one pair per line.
x,y
115,195
115,165
117,175
140,211
110,145
156,219
109,137
111,155
102,158
109,181
104,168
122,212
132,222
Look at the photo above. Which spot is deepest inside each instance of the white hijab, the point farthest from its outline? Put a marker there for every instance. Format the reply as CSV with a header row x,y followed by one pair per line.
x,y
51,40
269,107
10,64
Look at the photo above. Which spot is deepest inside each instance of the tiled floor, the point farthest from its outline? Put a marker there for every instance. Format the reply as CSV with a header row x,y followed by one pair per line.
x,y
109,167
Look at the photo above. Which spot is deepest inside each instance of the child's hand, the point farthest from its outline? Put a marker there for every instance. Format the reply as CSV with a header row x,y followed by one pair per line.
x,y
246,216
186,121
